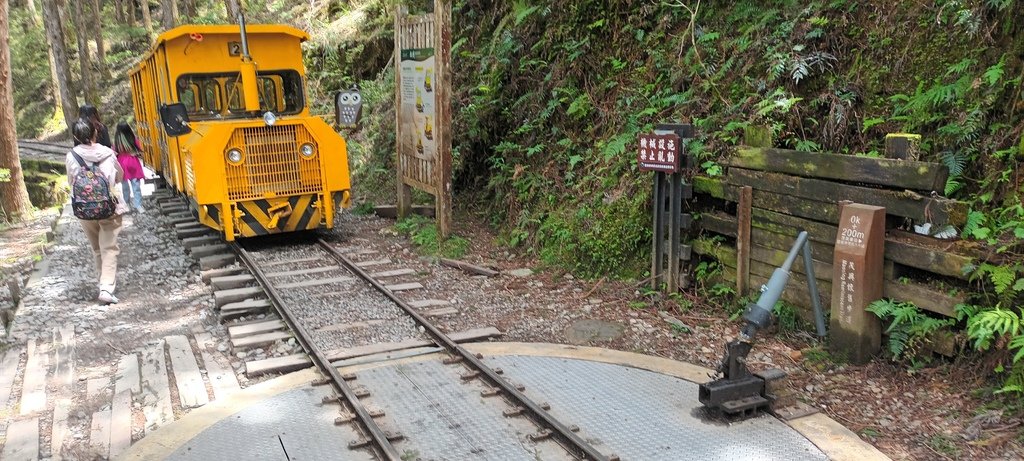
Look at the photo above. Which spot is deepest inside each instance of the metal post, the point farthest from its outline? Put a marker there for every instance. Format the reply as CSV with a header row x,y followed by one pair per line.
x,y
658,228
812,287
676,209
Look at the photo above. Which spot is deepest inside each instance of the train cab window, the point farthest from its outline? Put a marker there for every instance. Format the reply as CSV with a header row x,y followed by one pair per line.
x,y
201,96
280,92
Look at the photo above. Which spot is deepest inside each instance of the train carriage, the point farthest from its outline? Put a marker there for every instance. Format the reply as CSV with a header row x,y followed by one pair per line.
x,y
249,157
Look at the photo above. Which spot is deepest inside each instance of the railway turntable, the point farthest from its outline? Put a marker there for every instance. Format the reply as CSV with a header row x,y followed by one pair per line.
x,y
627,406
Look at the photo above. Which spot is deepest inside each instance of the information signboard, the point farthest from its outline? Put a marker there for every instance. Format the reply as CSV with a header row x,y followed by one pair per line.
x,y
660,152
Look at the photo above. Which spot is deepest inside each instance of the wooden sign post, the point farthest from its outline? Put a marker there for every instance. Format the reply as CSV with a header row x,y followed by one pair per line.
x,y
857,281
423,45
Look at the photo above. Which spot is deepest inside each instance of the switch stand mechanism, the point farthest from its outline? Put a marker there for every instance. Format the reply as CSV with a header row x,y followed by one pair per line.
x,y
737,392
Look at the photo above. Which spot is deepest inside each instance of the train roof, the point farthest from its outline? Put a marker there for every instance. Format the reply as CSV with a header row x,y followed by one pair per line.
x,y
228,29
221,29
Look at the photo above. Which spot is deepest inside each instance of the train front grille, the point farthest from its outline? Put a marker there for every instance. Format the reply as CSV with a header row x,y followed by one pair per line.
x,y
272,166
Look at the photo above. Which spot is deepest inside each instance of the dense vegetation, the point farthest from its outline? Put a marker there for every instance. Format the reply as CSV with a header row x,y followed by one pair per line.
x,y
550,96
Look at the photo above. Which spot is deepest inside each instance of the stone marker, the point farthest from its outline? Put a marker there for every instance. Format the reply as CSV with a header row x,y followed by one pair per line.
x,y
857,281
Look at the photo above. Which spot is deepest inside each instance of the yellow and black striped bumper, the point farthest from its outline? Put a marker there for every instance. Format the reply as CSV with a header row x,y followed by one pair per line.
x,y
273,216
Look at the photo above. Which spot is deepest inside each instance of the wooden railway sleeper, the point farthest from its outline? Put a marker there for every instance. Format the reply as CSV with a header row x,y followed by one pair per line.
x,y
542,434
490,392
363,442
469,376
348,417
514,411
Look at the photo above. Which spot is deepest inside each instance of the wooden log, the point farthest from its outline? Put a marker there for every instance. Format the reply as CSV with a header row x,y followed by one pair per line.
x,y
764,260
216,261
255,328
230,282
224,297
314,283
370,349
816,231
8,371
897,174
935,260
392,273
210,274
189,381
428,303
724,224
467,267
376,262
22,440
744,214
404,286
127,381
237,309
156,392
786,204
310,271
218,370
33,396
923,296
907,204
260,340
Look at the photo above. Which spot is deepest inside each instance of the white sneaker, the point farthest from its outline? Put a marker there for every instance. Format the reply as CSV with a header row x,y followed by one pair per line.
x,y
107,297
140,210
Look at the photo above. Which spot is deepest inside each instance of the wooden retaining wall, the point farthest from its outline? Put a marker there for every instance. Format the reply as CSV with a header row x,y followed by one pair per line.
x,y
793,191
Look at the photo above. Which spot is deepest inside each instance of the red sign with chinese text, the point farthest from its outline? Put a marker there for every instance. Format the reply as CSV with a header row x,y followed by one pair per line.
x,y
660,152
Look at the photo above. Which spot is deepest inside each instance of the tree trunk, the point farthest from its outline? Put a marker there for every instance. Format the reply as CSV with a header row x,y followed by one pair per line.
x,y
233,9
130,16
119,11
101,53
32,11
169,10
84,58
55,39
146,18
13,195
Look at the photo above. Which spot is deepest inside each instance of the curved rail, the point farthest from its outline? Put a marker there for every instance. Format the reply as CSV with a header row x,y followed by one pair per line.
x,y
566,438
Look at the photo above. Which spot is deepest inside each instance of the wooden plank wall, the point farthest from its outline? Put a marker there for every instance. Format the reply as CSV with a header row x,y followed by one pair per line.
x,y
793,191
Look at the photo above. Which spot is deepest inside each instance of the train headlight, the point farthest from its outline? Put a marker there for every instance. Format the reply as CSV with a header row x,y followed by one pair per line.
x,y
269,118
307,150
234,156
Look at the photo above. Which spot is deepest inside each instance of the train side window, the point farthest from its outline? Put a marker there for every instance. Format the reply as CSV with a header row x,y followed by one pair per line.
x,y
187,96
211,96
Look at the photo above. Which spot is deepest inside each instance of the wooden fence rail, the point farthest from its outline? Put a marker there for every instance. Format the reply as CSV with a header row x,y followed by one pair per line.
x,y
794,191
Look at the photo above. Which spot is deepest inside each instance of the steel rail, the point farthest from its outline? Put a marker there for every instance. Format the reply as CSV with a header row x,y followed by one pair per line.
x,y
567,438
319,358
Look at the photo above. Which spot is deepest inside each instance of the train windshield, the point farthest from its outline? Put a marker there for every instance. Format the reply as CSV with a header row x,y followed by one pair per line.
x,y
214,96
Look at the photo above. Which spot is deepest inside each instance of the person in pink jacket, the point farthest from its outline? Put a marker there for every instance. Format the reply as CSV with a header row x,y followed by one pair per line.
x,y
102,233
128,151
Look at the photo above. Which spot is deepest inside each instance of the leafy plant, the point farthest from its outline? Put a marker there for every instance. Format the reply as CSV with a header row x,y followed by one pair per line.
x,y
423,233
909,328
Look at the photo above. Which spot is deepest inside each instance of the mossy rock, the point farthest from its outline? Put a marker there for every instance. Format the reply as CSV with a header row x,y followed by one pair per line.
x,y
46,190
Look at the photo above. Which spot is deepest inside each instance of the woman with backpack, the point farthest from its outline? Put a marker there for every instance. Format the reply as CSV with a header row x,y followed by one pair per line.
x,y
94,173
128,151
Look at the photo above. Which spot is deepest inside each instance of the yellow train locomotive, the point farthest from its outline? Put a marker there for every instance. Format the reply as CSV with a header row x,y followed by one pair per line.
x,y
222,115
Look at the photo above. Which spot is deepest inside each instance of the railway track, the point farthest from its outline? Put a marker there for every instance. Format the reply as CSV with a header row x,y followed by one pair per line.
x,y
361,309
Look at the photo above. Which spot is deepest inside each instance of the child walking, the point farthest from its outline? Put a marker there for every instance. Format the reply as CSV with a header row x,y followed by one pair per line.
x,y
128,150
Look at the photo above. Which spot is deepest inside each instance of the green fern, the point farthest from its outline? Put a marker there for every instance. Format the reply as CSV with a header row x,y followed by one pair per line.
x,y
909,328
975,221
985,327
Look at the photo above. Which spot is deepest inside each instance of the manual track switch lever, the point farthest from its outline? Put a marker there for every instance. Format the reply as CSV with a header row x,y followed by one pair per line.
x,y
737,391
